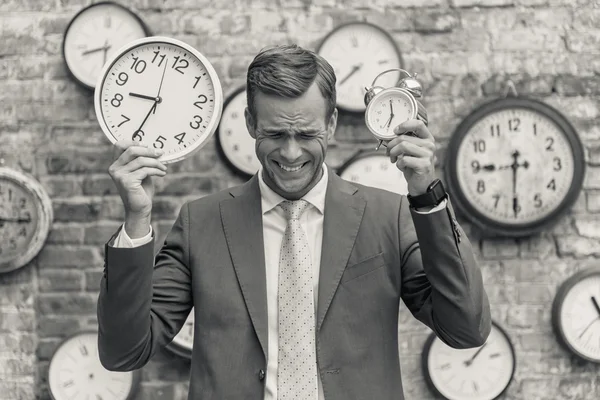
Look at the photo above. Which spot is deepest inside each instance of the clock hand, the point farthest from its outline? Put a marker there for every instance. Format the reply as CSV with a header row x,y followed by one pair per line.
x,y
588,327
103,48
145,119
106,47
354,69
391,114
143,96
514,167
489,167
387,122
596,305
15,219
470,360
158,99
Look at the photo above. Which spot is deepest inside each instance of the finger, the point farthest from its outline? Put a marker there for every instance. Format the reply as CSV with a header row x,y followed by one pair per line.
x,y
141,162
134,152
425,143
142,173
410,149
416,126
415,163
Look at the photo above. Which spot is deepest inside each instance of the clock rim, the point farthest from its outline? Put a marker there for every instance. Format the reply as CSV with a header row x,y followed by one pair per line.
x,y
136,374
487,226
236,169
385,33
210,69
404,92
558,304
425,362
136,17
43,205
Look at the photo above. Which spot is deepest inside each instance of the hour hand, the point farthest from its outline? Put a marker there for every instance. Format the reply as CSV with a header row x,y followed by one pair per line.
x,y
143,96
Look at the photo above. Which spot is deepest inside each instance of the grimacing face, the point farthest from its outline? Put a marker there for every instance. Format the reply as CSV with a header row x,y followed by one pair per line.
x,y
291,140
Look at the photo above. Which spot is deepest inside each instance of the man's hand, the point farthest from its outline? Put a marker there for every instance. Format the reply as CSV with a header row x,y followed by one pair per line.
x,y
414,155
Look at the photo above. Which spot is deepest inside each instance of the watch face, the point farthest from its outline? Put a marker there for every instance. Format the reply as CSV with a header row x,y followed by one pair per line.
x,y
481,373
515,164
389,109
75,372
358,52
576,314
183,343
234,140
162,93
374,169
94,35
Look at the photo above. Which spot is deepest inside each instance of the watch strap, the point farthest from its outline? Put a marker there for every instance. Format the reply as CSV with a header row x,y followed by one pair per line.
x,y
432,197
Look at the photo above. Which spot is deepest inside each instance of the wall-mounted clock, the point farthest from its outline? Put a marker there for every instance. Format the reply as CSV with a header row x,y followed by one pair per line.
x,y
576,314
372,168
162,93
358,52
481,373
183,343
94,34
234,142
25,218
75,372
514,166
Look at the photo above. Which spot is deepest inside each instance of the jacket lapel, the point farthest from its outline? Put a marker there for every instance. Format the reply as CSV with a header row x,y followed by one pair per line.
x,y
343,215
241,216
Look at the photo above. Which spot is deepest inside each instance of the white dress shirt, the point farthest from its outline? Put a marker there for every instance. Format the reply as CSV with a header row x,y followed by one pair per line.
x,y
274,224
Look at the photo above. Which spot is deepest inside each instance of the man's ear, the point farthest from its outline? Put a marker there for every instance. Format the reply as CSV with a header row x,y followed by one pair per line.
x,y
332,124
250,123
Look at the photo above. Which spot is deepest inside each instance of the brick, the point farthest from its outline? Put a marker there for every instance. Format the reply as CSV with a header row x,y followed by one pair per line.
x,y
429,21
528,316
65,161
449,64
184,185
60,281
111,208
20,295
593,201
576,107
65,234
457,40
46,348
535,39
99,185
524,84
61,186
77,210
60,304
52,256
540,247
499,248
537,342
592,178
203,160
92,280
588,226
100,233
16,277
17,390
165,208
417,3
576,387
533,294
579,41
21,320
570,85
23,365
52,326
578,246
480,3
13,343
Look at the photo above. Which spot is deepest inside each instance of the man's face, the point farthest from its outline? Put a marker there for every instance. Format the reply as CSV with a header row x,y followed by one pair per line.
x,y
291,140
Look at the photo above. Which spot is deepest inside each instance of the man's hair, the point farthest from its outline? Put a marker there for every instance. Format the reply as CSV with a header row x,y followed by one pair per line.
x,y
288,71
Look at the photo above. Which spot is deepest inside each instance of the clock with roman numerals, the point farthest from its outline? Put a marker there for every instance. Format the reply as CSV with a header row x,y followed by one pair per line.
x,y
75,372
481,373
162,93
514,166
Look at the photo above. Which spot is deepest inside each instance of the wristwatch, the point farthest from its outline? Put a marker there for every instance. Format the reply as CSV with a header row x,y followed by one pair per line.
x,y
432,197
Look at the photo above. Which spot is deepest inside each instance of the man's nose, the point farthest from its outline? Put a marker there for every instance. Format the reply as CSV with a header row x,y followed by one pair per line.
x,y
291,150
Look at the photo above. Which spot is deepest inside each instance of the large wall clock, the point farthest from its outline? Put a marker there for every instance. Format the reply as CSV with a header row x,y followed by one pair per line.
x,y
234,141
481,373
514,166
75,372
372,168
576,314
358,52
94,34
183,343
25,218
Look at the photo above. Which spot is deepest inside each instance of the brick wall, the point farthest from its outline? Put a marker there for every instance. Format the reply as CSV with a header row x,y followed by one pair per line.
x,y
463,49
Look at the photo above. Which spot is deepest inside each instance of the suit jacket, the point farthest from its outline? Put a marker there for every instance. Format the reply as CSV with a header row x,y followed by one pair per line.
x,y
376,251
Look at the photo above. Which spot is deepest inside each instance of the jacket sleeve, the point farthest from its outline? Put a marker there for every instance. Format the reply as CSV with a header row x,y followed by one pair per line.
x,y
441,282
144,300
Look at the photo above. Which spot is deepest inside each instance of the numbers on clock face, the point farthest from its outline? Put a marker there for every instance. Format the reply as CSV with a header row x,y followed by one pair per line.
x,y
388,111
75,372
358,52
472,374
580,317
18,220
376,170
162,96
515,165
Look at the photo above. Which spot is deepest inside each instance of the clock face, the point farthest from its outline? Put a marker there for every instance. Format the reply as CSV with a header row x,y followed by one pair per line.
x,y
374,169
183,343
162,93
94,35
576,314
481,373
358,52
389,109
75,372
516,166
235,142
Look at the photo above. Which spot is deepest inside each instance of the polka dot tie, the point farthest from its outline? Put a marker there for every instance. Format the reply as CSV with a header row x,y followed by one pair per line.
x,y
297,362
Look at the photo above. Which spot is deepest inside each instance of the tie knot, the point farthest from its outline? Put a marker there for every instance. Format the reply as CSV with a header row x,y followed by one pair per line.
x,y
293,209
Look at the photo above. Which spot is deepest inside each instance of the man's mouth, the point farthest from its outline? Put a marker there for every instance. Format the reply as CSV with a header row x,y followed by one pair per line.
x,y
291,168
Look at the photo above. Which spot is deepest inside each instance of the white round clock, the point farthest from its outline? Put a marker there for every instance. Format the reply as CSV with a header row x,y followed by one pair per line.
x,y
183,343
481,373
94,34
75,372
372,168
358,51
161,92
514,166
576,314
234,141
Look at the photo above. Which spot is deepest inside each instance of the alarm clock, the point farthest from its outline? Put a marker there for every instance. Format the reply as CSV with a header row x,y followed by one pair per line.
x,y
75,372
514,166
25,218
372,168
482,373
183,343
576,314
357,51
233,139
162,93
94,34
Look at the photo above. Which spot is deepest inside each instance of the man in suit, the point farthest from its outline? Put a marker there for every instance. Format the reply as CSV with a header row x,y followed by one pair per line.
x,y
295,276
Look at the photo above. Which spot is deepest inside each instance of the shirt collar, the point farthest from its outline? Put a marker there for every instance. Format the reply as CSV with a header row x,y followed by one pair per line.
x,y
316,195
